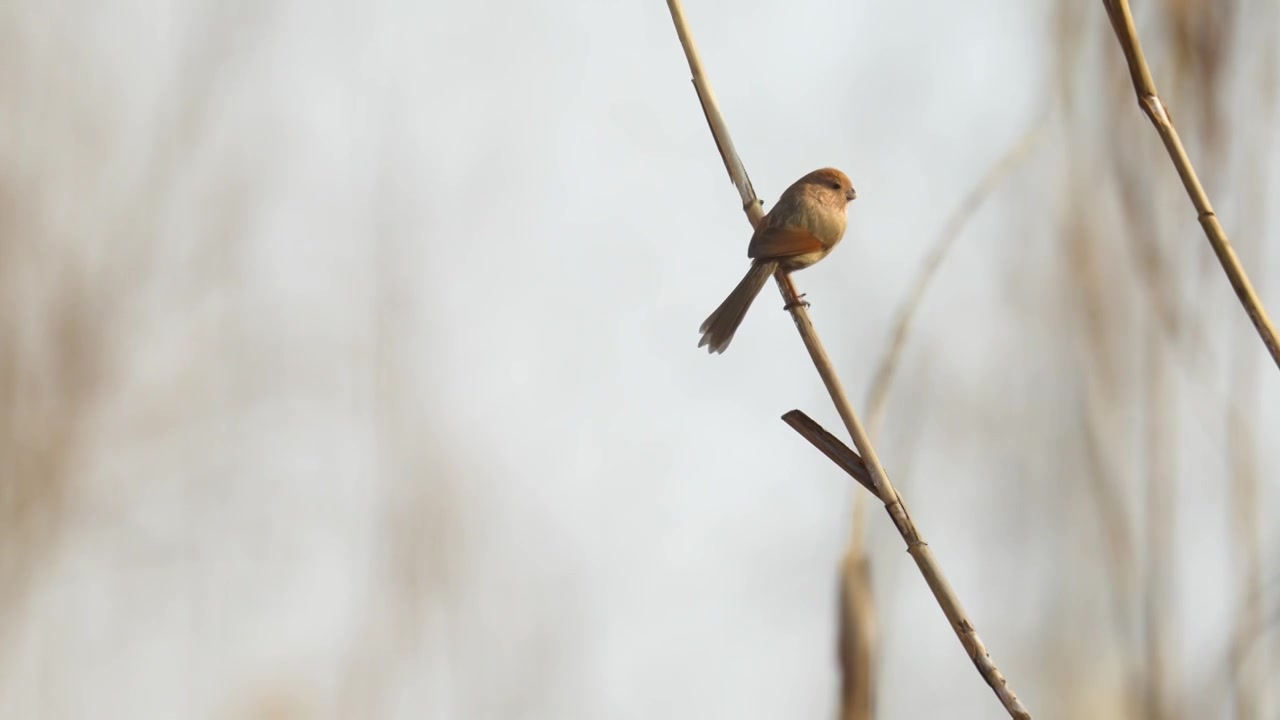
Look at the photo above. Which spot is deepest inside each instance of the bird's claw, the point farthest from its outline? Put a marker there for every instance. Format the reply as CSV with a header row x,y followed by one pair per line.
x,y
795,302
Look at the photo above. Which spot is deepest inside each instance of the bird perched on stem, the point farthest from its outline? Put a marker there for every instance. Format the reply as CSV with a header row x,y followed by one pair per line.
x,y
802,228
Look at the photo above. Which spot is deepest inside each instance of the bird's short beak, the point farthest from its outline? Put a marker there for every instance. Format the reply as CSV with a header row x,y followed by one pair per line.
x,y
851,194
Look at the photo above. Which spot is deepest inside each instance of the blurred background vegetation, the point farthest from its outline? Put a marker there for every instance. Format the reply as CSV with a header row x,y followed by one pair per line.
x,y
347,361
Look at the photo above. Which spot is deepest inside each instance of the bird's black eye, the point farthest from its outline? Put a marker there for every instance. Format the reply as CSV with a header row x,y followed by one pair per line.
x,y
835,186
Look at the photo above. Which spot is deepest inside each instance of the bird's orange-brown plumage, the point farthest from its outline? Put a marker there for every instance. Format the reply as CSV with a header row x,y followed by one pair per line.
x,y
804,226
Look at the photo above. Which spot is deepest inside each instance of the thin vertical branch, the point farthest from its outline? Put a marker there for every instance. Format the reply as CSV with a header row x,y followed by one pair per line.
x,y
1145,88
1113,519
879,480
1160,532
1249,688
857,636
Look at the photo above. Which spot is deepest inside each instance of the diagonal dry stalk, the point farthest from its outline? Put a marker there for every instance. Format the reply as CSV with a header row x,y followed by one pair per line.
x,y
882,378
857,612
875,478
863,471
1145,88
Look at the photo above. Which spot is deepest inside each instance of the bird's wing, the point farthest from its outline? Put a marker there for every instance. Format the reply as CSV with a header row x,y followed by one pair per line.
x,y
773,242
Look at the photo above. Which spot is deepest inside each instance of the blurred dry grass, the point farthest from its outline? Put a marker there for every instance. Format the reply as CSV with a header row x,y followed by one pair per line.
x,y
1150,344
1157,365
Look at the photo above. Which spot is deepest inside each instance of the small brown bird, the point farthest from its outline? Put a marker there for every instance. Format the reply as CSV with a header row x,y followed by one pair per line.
x,y
802,228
